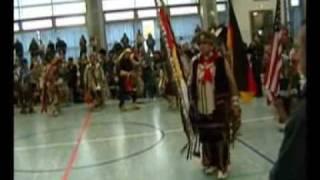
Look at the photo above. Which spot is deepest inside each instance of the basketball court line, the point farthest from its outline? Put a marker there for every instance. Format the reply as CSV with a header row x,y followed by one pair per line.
x,y
121,137
75,149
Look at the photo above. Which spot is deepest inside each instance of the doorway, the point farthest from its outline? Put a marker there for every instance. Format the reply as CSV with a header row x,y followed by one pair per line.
x,y
261,23
148,28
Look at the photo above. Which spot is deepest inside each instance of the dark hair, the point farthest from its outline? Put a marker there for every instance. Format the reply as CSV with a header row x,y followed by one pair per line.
x,y
70,59
103,52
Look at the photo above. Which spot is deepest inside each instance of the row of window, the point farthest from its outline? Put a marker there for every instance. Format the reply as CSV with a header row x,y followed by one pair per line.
x,y
49,11
107,4
21,3
48,23
111,5
43,8
109,16
222,4
149,13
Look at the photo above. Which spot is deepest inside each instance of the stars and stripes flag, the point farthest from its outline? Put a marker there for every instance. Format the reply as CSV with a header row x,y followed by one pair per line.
x,y
177,70
273,71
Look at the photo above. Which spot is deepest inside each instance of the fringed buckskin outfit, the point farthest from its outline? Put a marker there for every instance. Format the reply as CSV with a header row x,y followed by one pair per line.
x,y
211,97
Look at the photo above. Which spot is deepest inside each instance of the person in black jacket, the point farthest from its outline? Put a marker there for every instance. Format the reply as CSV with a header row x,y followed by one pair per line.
x,y
50,52
256,51
291,163
150,43
125,41
83,46
33,48
72,72
19,49
61,47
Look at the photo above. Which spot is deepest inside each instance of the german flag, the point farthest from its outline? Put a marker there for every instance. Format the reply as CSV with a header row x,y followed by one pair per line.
x,y
238,57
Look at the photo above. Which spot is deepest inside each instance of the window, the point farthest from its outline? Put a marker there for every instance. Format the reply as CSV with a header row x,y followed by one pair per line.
x,y
70,21
16,27
33,2
37,24
147,13
148,28
119,16
108,5
60,1
35,12
221,7
15,3
177,2
16,14
70,8
144,3
295,3
184,10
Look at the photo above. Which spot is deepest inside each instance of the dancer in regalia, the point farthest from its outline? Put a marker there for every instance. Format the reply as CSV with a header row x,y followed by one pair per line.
x,y
215,100
51,81
95,82
25,88
127,77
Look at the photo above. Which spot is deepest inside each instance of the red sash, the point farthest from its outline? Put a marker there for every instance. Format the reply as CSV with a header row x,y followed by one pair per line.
x,y
129,84
208,76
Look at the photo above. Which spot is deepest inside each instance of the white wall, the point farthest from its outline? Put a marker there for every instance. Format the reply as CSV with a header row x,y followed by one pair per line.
x,y
242,10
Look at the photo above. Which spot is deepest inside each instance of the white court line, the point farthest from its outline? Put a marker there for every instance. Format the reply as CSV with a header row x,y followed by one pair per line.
x,y
112,138
129,136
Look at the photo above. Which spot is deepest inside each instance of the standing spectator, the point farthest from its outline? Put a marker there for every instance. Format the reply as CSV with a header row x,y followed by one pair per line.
x,y
150,43
149,79
42,50
197,30
50,52
19,50
256,53
107,68
125,41
82,66
72,79
140,40
83,46
61,47
181,41
93,44
33,48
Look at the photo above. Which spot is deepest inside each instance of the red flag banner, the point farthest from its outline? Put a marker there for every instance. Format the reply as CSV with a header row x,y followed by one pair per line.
x,y
177,69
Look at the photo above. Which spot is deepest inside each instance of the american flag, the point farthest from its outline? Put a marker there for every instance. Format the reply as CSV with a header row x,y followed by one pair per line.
x,y
275,62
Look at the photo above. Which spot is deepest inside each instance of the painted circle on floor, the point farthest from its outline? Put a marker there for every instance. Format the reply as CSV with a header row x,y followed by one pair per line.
x,y
102,163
